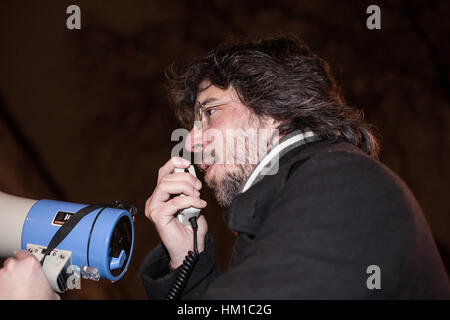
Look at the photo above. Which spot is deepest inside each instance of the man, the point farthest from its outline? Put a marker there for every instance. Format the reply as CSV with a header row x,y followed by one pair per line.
x,y
323,220
22,278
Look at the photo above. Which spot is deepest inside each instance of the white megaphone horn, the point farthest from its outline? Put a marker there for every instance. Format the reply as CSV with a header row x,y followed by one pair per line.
x,y
13,212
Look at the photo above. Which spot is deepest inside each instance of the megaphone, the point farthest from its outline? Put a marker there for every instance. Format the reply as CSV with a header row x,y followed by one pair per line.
x,y
71,240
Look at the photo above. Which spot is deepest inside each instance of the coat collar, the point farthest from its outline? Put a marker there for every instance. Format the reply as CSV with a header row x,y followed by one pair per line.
x,y
249,208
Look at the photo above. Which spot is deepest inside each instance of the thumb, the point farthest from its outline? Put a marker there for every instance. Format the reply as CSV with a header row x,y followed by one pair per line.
x,y
23,254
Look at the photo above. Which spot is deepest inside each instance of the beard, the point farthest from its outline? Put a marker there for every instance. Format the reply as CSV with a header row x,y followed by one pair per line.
x,y
235,174
231,184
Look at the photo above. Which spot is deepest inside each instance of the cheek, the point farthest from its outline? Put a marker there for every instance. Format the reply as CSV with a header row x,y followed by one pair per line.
x,y
220,124
232,118
217,133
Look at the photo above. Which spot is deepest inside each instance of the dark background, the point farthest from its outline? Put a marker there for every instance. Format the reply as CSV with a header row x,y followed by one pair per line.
x,y
84,118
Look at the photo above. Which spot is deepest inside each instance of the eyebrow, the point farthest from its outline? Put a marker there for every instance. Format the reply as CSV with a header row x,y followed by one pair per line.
x,y
208,100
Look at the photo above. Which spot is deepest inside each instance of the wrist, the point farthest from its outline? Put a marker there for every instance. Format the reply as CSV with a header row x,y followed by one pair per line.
x,y
173,265
177,260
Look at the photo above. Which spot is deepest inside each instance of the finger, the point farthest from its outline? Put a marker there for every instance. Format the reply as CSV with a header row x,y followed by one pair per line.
x,y
166,189
184,176
169,166
180,203
202,224
8,263
23,254
170,208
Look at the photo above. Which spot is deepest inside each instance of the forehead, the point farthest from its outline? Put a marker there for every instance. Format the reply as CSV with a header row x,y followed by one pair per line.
x,y
208,93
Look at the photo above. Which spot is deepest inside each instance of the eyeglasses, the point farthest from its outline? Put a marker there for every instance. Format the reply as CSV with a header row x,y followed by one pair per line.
x,y
203,112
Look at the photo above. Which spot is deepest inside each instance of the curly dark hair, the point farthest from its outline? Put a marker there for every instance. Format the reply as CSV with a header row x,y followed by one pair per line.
x,y
277,77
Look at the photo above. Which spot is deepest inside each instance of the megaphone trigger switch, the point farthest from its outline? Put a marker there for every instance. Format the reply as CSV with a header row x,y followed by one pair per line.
x,y
117,262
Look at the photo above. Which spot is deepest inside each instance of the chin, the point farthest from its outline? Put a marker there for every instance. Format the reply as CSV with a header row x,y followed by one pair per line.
x,y
214,176
229,184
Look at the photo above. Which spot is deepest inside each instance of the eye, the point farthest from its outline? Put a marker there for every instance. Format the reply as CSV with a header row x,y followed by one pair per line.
x,y
209,112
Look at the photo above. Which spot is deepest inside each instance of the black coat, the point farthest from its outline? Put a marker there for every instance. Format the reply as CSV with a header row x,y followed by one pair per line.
x,y
312,230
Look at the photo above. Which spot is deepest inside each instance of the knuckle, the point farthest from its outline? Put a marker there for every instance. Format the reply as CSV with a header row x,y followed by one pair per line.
x,y
151,215
147,206
149,201
163,179
162,186
160,172
9,263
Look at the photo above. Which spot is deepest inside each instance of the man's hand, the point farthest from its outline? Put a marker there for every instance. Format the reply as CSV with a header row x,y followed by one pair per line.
x,y
160,208
22,278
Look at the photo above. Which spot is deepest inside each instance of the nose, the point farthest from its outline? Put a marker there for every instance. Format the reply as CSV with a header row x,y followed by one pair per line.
x,y
194,140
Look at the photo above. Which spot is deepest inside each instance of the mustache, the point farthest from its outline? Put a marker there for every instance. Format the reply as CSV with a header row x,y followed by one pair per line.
x,y
204,159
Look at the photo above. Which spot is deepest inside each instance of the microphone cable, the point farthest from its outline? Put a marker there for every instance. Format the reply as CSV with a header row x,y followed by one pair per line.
x,y
186,268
